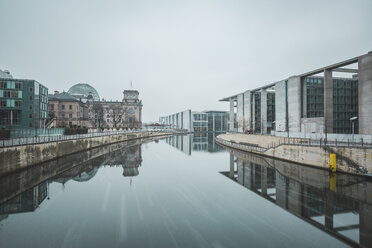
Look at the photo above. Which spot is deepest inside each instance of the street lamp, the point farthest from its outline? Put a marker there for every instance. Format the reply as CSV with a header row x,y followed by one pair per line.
x,y
352,119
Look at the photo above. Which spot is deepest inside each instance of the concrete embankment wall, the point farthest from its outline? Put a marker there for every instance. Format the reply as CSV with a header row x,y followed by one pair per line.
x,y
15,183
20,157
347,159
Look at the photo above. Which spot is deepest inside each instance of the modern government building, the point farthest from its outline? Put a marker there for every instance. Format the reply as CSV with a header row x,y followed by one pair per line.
x,y
332,99
197,121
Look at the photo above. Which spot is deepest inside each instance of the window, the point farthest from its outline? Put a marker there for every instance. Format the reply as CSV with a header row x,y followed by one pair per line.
x,y
63,115
18,85
3,85
63,106
51,106
30,115
70,106
18,103
31,89
30,97
108,120
30,106
70,115
30,125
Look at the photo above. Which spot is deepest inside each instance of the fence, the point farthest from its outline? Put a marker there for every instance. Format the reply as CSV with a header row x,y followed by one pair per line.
x,y
296,141
54,138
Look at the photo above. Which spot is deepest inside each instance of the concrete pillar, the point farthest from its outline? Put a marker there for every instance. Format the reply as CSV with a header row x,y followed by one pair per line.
x,y
328,101
214,123
231,174
240,112
253,111
247,111
294,104
240,169
328,210
231,115
263,111
304,99
280,107
263,180
248,175
365,224
364,93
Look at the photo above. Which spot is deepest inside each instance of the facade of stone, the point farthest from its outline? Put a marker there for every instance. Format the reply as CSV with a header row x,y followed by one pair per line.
x,y
116,114
82,109
67,111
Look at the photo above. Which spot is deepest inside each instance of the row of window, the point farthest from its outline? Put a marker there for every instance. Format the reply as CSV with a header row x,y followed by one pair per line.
x,y
11,103
10,85
10,93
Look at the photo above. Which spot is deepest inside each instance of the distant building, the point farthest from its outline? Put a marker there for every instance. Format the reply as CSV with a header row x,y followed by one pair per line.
x,y
81,106
23,103
67,111
195,121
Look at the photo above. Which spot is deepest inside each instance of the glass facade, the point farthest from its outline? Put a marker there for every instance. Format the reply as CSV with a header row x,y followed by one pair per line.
x,y
23,104
217,121
270,110
345,102
314,97
345,105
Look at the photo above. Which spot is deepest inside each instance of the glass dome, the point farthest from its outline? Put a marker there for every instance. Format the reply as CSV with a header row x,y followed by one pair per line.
x,y
83,90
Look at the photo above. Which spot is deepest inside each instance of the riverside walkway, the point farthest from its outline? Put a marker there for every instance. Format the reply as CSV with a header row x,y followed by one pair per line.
x,y
54,138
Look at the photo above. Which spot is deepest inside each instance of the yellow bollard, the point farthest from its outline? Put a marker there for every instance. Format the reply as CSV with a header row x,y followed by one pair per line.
x,y
332,162
332,181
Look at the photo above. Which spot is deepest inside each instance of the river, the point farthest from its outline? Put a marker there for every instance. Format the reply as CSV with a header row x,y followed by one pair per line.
x,y
182,191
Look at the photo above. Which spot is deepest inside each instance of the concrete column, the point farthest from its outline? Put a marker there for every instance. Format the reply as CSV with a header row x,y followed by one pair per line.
x,y
304,100
263,180
214,123
231,115
263,111
280,107
240,112
253,111
294,104
364,93
328,210
231,174
328,101
248,175
365,224
240,169
247,111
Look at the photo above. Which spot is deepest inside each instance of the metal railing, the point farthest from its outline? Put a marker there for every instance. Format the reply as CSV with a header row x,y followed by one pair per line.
x,y
54,138
294,141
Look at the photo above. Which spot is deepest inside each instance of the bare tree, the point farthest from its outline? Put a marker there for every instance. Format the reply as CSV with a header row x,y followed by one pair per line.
x,y
98,114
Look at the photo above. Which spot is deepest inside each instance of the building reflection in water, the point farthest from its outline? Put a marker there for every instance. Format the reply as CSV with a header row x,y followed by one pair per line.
x,y
195,142
129,158
340,205
28,201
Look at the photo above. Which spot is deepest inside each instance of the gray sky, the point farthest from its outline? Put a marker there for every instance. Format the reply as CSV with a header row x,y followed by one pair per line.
x,y
179,54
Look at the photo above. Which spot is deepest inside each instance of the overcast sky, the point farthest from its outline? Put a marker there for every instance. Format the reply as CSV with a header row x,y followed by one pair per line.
x,y
179,54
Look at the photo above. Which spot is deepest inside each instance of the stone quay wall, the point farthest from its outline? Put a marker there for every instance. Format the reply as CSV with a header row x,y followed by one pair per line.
x,y
348,159
20,157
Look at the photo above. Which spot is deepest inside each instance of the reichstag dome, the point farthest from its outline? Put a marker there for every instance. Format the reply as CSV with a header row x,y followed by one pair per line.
x,y
83,90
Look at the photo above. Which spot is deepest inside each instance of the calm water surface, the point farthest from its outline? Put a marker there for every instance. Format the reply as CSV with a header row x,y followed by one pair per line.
x,y
183,191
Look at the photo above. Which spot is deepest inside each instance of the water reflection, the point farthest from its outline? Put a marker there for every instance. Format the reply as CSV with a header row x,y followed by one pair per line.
x,y
126,155
341,205
28,201
195,142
